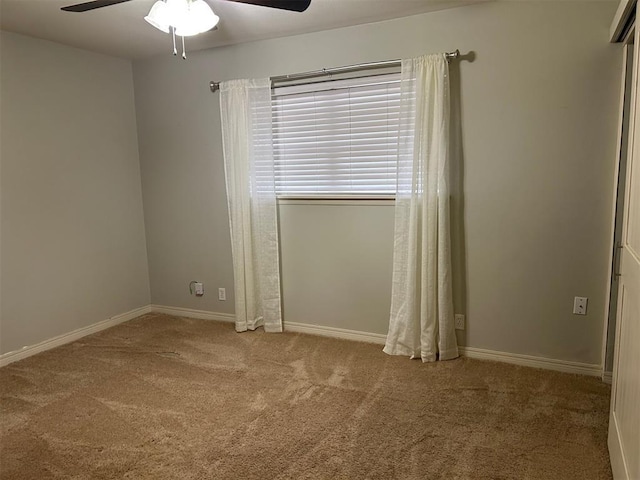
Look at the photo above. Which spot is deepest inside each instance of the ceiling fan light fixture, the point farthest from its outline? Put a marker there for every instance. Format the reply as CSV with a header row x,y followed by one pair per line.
x,y
177,10
159,16
203,15
187,17
198,18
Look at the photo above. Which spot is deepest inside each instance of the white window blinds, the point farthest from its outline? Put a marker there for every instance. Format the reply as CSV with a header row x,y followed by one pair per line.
x,y
337,138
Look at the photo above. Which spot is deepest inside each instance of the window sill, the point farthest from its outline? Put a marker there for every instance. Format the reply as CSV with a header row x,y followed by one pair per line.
x,y
332,200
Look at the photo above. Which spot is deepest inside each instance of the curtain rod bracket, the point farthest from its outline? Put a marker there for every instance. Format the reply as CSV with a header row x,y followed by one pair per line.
x,y
452,55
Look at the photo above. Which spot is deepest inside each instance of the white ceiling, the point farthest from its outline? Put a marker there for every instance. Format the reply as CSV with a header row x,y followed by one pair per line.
x,y
121,31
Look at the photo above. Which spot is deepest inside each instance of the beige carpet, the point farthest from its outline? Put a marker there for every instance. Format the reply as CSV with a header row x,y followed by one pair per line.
x,y
163,397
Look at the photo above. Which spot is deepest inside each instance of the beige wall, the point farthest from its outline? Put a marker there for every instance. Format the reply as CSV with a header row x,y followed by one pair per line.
x,y
336,265
538,111
73,246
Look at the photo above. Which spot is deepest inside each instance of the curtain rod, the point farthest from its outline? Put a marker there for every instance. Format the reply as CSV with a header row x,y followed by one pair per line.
x,y
215,86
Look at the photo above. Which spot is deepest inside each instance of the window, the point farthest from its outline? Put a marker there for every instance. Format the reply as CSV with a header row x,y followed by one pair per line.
x,y
337,138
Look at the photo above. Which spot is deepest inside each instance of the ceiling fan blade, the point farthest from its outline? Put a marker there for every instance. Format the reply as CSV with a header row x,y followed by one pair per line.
x,y
84,7
292,5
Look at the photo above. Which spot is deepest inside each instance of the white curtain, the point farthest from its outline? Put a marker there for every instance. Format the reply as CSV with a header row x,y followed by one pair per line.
x,y
422,323
245,111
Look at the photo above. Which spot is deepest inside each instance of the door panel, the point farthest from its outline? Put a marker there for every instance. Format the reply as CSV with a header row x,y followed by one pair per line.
x,y
621,175
624,421
626,392
633,217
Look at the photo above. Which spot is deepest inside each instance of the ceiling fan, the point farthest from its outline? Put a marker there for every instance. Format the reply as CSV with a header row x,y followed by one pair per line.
x,y
186,18
292,5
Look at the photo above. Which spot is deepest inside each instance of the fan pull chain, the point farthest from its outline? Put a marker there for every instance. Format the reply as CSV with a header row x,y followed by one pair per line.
x,y
184,53
173,32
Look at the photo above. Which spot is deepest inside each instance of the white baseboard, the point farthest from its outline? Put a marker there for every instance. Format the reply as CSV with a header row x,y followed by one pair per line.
x,y
334,332
323,331
377,338
191,313
607,377
342,333
24,352
532,361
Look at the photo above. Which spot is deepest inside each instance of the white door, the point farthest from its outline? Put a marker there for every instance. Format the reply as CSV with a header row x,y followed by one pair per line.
x,y
624,420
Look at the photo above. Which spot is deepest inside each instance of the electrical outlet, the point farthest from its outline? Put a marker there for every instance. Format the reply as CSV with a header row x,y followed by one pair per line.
x,y
222,294
199,289
580,305
459,321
